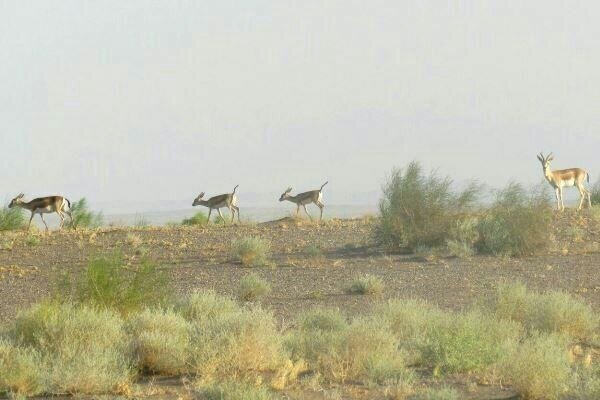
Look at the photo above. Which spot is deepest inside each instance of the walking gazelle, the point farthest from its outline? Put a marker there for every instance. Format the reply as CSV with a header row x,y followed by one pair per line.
x,y
228,200
565,178
44,205
302,199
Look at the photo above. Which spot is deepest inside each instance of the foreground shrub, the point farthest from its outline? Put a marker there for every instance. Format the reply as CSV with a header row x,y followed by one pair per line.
x,y
11,219
232,390
419,210
251,251
82,350
552,312
197,219
517,223
20,370
364,350
366,285
160,342
230,341
251,288
83,217
107,282
538,368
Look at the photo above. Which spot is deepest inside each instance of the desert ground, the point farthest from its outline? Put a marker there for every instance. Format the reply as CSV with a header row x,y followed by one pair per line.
x,y
310,264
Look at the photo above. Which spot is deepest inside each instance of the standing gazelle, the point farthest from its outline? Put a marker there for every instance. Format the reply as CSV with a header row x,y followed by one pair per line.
x,y
228,200
565,178
302,199
44,205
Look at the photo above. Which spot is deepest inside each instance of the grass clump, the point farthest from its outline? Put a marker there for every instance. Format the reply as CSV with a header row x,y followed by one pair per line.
x,y
20,372
551,312
366,285
252,288
197,219
82,350
595,193
32,240
232,390
83,217
363,350
517,223
420,210
11,219
251,251
538,368
444,393
107,282
160,341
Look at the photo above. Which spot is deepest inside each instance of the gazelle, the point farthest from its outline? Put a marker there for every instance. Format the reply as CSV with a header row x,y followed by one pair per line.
x,y
565,178
228,200
302,199
44,205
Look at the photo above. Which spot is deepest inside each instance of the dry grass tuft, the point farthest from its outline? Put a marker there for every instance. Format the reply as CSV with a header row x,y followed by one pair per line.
x,y
252,288
366,285
251,251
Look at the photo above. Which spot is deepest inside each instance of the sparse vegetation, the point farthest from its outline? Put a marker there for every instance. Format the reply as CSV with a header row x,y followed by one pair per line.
x,y
251,251
141,221
595,193
444,393
232,390
11,219
313,250
83,217
366,285
197,219
32,240
108,282
419,210
252,288
517,224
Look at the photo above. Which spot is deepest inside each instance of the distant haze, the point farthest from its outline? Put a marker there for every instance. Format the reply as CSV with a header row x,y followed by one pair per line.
x,y
137,103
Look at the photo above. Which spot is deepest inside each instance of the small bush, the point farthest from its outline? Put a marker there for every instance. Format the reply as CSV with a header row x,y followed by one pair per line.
x,y
82,350
205,305
366,285
439,394
11,219
133,240
83,217
161,341
517,224
252,288
20,370
538,368
419,210
595,193
32,240
106,282
197,219
318,319
232,390
313,251
251,251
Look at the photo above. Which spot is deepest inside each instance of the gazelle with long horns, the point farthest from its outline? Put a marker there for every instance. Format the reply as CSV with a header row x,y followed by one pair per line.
x,y
302,199
44,205
565,178
228,200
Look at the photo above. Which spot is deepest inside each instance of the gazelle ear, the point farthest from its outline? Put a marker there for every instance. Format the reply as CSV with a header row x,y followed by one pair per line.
x,y
550,157
20,196
289,189
540,157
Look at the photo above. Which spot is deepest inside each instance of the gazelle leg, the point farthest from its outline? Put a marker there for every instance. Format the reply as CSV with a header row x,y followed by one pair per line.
x,y
232,211
42,217
321,206
62,219
306,211
581,197
297,209
70,217
220,215
209,211
237,210
562,201
30,218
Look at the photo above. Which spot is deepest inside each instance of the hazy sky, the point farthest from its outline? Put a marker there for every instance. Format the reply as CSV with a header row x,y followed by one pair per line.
x,y
158,100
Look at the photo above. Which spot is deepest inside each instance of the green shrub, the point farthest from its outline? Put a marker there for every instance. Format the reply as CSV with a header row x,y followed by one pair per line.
x,y
11,219
83,217
20,370
462,237
230,341
107,282
252,288
587,385
232,390
83,350
313,251
32,240
160,341
439,394
364,350
419,210
538,368
552,312
251,251
517,223
197,219
366,285
595,193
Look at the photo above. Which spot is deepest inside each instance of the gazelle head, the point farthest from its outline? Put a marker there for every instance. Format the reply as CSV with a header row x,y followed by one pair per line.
x,y
286,194
545,160
198,200
16,201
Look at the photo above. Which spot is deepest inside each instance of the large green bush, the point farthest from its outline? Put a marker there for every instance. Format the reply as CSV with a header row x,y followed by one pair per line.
x,y
83,217
11,219
420,210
